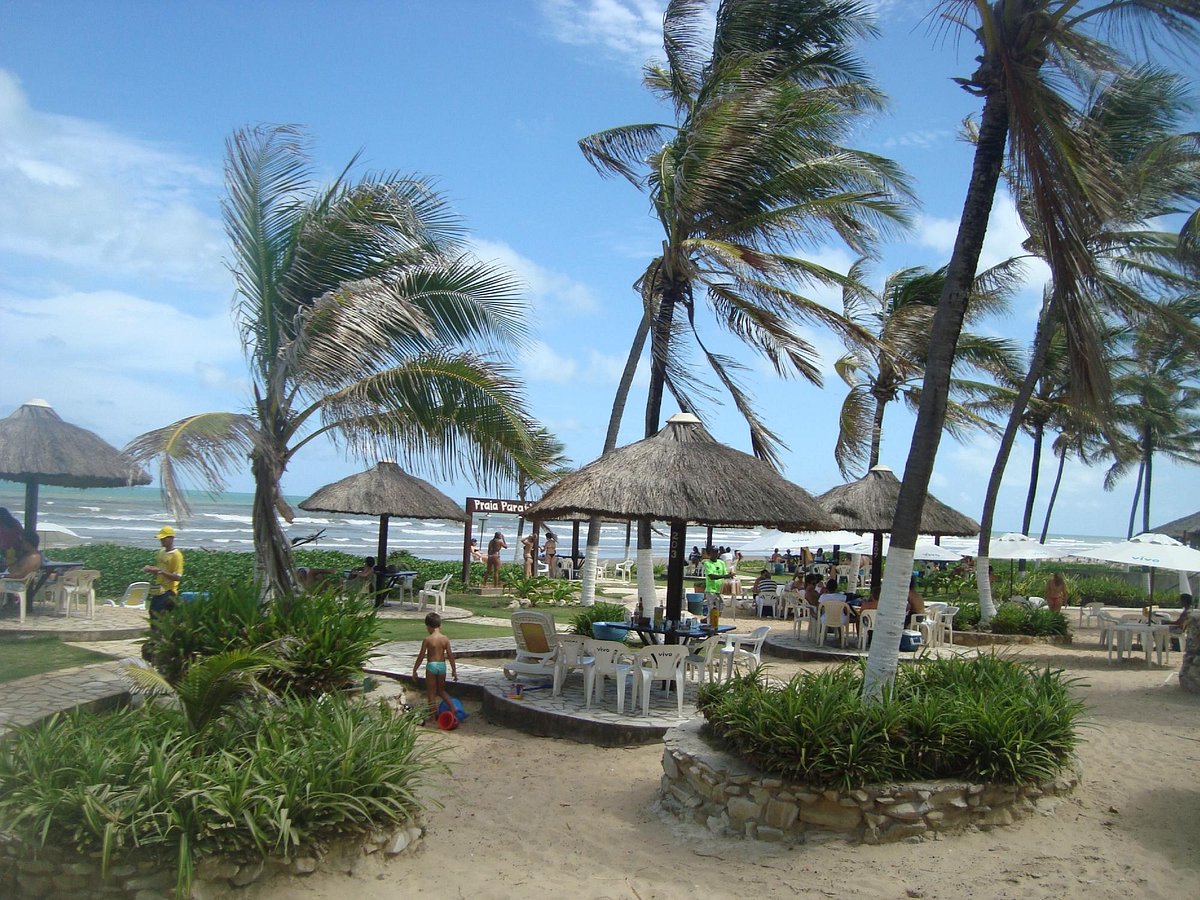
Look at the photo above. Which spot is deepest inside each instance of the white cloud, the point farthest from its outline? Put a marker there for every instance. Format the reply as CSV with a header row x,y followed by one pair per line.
x,y
922,139
122,361
540,363
630,29
79,194
549,291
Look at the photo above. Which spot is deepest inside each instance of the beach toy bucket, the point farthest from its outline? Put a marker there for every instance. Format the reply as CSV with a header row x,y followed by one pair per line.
x,y
447,721
458,711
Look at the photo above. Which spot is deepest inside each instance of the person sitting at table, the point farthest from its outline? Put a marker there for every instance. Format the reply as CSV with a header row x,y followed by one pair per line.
x,y
764,582
1177,628
694,560
820,555
830,586
916,603
812,589
11,535
27,559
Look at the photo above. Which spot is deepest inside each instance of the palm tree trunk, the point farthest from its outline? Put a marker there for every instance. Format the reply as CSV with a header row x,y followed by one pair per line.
x,y
1035,465
272,549
1062,460
1137,493
927,433
592,554
1037,362
876,433
1148,463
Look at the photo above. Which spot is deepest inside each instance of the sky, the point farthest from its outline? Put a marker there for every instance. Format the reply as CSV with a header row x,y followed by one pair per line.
x,y
115,300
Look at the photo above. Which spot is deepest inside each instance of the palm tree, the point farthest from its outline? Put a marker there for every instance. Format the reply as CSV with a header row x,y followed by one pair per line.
x,y
898,317
1157,403
752,167
1038,58
364,320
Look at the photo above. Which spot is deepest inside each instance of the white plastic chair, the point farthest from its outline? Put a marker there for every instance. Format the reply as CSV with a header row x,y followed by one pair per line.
x,y
659,662
602,568
1037,602
135,596
571,657
744,648
434,593
1106,621
764,599
703,661
946,625
832,615
20,587
866,627
80,584
926,624
1090,612
624,570
606,659
806,618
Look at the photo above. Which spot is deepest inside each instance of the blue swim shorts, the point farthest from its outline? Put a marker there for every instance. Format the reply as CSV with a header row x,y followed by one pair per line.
x,y
435,668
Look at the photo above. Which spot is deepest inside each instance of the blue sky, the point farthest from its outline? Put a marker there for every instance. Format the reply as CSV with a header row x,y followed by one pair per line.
x,y
114,299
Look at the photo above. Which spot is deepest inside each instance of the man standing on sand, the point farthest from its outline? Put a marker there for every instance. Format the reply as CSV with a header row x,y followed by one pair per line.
x,y
715,573
167,571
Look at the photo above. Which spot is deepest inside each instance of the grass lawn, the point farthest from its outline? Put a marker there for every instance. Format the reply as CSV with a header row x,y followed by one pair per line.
x,y
414,630
33,656
487,606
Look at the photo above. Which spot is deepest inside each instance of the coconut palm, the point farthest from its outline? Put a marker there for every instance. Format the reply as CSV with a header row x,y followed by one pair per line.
x,y
1038,61
365,321
1157,404
898,317
752,167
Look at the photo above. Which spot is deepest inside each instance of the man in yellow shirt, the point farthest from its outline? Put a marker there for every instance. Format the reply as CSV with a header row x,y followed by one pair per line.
x,y
167,571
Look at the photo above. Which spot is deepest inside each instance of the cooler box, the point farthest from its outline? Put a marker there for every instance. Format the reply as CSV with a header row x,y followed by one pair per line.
x,y
910,641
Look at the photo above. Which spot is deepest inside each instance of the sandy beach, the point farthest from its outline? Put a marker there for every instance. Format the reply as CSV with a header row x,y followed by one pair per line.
x,y
525,816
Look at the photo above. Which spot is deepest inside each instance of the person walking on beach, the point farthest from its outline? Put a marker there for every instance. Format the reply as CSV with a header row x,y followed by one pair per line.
x,y
167,571
495,545
436,653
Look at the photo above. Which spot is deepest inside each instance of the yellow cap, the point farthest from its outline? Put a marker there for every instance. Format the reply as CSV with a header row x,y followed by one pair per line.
x,y
165,531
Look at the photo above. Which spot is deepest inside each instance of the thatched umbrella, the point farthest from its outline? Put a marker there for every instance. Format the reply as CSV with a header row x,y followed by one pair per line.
x,y
869,504
384,491
682,475
37,447
1185,530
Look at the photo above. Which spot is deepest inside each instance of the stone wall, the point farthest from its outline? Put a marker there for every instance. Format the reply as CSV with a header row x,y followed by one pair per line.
x,y
707,786
53,873
1189,672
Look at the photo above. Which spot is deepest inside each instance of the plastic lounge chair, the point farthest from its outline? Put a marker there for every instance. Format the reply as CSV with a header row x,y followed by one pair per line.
x,y
659,663
571,657
78,585
20,587
537,645
610,659
705,661
134,597
434,593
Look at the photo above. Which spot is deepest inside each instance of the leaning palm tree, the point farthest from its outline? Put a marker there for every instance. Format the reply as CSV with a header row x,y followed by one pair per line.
x,y
364,320
752,167
1038,60
898,317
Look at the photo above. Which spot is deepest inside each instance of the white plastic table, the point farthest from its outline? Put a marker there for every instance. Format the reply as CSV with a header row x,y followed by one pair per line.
x,y
1153,637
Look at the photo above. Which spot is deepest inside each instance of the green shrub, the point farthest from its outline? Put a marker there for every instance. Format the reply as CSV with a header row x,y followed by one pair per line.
x,y
968,616
1044,622
329,638
598,612
1009,619
276,778
989,719
1016,618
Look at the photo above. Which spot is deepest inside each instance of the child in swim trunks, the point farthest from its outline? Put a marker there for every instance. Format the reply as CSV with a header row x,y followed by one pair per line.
x,y
436,652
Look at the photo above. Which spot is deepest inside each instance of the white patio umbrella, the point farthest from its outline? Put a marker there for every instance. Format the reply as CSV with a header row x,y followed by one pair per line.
x,y
1013,546
52,536
1157,551
925,550
767,541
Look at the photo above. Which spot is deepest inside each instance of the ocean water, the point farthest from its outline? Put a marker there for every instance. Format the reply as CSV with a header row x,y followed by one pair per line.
x,y
132,516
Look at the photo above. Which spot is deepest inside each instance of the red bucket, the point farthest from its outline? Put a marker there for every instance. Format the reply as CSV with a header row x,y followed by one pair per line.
x,y
447,721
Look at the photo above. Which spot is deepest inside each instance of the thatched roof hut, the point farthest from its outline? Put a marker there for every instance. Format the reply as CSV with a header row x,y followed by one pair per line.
x,y
869,504
384,491
1185,530
682,474
37,447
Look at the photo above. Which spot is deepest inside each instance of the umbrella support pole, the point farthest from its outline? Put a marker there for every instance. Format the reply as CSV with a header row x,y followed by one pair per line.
x,y
675,563
31,501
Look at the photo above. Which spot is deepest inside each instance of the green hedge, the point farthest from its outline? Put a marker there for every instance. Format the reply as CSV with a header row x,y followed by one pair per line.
x,y
987,719
274,778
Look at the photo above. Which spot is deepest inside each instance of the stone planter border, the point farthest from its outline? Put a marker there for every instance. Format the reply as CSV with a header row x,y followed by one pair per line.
x,y
704,785
53,872
986,638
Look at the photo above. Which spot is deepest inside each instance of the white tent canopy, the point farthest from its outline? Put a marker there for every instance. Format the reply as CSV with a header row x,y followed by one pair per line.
x,y
768,541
